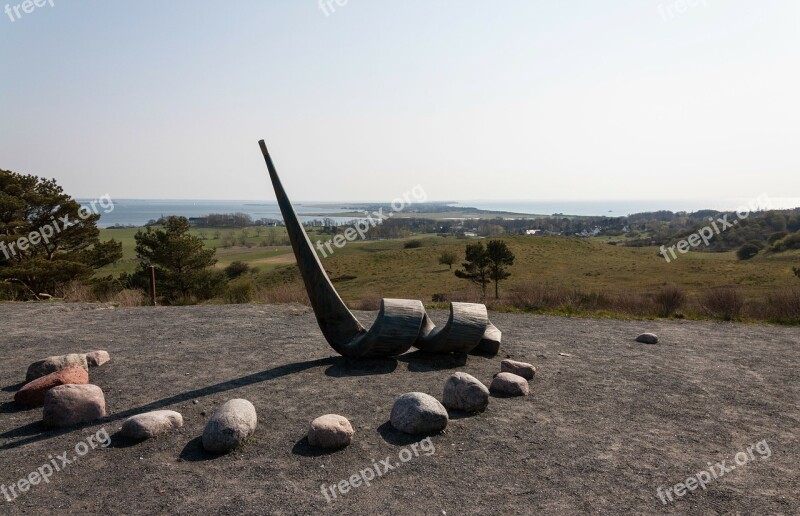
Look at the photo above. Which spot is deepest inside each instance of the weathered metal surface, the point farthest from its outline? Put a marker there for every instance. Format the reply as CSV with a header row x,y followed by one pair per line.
x,y
400,324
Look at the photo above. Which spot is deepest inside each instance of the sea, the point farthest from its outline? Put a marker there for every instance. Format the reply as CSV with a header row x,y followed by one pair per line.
x,y
138,212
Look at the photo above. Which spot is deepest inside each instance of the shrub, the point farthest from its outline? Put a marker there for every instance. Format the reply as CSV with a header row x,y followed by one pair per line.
x,y
668,300
723,303
283,293
236,269
240,291
782,306
776,236
369,301
790,242
130,297
542,296
747,251
412,244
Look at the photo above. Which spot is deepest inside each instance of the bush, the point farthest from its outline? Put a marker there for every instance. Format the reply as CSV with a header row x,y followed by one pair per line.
x,y
236,269
790,242
783,306
747,251
369,301
240,291
776,236
724,303
412,244
668,300
283,293
541,296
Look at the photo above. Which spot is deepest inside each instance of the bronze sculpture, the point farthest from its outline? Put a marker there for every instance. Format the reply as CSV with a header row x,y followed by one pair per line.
x,y
401,323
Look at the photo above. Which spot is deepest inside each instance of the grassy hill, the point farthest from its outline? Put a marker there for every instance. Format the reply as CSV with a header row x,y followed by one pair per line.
x,y
560,274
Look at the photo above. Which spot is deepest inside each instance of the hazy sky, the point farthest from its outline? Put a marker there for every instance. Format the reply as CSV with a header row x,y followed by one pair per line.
x,y
470,99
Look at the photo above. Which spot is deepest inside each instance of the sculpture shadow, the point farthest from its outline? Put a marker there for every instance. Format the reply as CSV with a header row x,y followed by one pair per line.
x,y
483,354
346,367
263,376
397,438
13,388
304,449
194,452
422,362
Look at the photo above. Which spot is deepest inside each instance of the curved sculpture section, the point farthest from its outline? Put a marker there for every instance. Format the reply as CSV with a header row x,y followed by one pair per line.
x,y
401,323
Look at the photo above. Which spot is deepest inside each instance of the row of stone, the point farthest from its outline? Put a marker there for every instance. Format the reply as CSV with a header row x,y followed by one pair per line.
x,y
421,413
413,413
227,428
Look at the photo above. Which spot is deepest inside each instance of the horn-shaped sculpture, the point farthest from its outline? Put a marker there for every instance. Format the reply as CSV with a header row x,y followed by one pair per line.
x,y
401,323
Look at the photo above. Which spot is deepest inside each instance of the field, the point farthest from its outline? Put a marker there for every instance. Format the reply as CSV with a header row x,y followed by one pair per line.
x,y
387,269
607,424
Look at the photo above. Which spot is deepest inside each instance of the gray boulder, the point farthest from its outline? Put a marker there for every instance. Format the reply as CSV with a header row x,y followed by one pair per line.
x,y
53,364
151,424
465,392
230,426
510,384
330,431
70,405
522,369
418,413
647,338
97,358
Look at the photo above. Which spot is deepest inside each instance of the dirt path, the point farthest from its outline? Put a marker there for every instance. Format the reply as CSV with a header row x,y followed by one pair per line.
x,y
602,429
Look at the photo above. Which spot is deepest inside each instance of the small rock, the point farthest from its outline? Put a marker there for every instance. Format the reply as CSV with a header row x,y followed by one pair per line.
x,y
70,405
33,393
511,384
229,426
647,338
53,364
330,431
465,392
522,369
151,424
418,413
97,358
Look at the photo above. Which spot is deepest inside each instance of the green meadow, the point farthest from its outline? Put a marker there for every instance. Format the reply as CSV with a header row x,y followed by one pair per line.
x,y
386,269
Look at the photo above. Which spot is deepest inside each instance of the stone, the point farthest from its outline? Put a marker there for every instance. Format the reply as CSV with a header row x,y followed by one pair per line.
x,y
330,431
151,424
33,393
230,426
53,364
465,392
647,338
510,384
97,358
522,369
418,413
71,405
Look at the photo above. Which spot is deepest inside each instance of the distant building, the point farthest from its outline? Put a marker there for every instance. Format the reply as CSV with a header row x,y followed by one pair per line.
x,y
532,232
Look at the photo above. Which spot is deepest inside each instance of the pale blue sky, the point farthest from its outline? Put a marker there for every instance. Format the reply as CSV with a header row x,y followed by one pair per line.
x,y
471,99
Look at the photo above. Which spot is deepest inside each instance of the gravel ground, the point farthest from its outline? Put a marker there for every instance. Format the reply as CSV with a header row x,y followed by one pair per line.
x,y
607,423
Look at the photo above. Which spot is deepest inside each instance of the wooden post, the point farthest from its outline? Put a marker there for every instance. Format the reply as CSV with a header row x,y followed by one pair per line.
x,y
152,285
